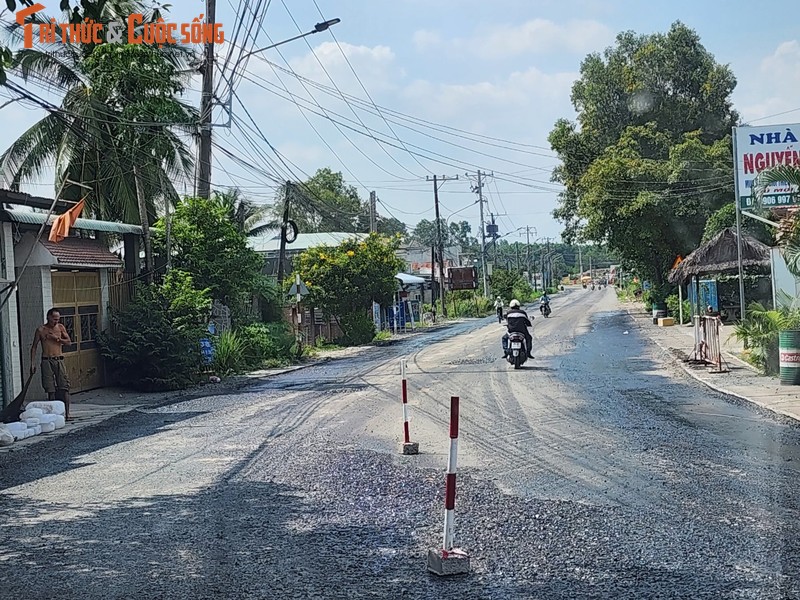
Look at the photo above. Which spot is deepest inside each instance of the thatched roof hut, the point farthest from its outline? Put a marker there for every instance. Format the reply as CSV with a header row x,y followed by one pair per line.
x,y
719,255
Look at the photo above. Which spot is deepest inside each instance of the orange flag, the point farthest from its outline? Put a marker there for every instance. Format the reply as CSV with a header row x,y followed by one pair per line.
x,y
60,227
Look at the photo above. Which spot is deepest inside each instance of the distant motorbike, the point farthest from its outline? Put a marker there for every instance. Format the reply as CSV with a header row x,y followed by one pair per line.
x,y
545,310
517,350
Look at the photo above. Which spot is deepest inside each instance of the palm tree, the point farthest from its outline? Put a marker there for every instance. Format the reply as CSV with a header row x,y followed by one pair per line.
x,y
251,219
85,136
789,227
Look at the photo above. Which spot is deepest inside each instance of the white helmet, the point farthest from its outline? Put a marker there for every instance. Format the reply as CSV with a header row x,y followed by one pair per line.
x,y
514,304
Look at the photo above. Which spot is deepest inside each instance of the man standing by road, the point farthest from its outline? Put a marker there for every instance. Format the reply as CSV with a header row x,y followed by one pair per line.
x,y
52,335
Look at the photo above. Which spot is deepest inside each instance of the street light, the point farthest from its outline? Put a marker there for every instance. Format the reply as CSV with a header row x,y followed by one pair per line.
x,y
203,182
318,28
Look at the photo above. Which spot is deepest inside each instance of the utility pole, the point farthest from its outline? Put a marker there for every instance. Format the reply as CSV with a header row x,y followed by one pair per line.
x,y
483,236
439,237
549,263
528,252
284,226
591,275
580,258
203,184
373,216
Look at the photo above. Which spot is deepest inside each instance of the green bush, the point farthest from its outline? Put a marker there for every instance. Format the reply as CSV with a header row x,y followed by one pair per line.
x,y
154,344
760,332
229,354
357,329
266,342
672,309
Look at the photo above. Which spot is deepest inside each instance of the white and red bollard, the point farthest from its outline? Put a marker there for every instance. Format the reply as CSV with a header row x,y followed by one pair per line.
x,y
409,447
448,560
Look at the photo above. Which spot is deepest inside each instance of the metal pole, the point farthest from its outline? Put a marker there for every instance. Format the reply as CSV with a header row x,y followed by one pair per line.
x,y
483,239
528,252
439,246
207,100
282,251
680,304
738,223
373,217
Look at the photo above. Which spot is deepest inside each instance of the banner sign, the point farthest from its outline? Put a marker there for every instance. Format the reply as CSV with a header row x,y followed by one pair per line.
x,y
760,148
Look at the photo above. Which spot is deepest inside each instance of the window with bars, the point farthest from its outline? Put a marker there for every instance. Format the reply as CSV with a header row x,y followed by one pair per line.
x,y
89,316
68,321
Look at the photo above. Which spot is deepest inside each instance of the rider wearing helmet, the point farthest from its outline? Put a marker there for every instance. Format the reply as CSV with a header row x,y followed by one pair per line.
x,y
498,307
517,321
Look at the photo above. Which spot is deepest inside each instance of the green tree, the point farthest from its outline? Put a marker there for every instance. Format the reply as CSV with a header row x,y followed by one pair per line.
x,y
645,164
324,202
425,233
139,87
788,233
344,280
106,104
250,219
391,226
726,217
155,343
208,245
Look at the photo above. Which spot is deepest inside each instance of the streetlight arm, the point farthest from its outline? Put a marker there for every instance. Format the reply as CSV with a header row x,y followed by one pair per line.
x,y
319,27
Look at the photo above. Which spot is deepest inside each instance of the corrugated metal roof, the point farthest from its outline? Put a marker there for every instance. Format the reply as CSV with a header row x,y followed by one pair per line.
x,y
35,218
271,242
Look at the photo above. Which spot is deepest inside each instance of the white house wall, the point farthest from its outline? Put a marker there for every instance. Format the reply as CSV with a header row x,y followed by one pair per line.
x,y
12,369
35,298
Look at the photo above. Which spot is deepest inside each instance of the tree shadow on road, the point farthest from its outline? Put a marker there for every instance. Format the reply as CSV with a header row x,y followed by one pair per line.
x,y
61,453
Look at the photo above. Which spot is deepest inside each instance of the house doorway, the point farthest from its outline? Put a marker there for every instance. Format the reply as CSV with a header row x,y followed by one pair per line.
x,y
77,296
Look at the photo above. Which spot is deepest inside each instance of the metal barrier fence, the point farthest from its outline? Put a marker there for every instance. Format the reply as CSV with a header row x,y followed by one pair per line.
x,y
707,344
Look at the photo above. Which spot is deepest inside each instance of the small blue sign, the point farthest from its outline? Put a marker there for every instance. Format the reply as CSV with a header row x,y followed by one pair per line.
x,y
208,350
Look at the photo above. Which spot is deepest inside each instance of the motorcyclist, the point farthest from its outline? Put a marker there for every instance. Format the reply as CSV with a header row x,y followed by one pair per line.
x,y
543,301
498,306
517,321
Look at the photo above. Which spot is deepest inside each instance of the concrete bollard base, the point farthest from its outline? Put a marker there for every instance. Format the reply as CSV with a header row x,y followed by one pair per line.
x,y
453,562
411,448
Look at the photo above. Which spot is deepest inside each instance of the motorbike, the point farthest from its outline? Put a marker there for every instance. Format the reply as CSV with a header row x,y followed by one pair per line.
x,y
545,310
517,352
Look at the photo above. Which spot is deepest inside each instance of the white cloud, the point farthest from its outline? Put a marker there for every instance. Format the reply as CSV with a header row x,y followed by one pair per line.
x,y
538,36
424,39
522,93
774,88
375,66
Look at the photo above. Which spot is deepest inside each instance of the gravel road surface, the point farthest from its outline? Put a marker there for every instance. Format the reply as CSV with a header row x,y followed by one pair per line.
x,y
599,470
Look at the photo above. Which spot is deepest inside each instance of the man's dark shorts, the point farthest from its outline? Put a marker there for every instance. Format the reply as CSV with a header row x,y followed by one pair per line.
x,y
54,375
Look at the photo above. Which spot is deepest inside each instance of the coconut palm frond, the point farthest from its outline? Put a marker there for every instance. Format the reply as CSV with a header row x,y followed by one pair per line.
x,y
50,68
27,157
789,174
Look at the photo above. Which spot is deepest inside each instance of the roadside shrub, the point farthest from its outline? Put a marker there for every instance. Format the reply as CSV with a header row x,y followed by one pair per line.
x,y
760,330
672,308
154,343
266,342
357,328
229,353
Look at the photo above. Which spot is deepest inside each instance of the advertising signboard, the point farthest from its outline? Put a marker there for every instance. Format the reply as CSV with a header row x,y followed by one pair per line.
x,y
760,148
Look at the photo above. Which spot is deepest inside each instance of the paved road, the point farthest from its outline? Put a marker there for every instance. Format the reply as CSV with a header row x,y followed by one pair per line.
x,y
599,471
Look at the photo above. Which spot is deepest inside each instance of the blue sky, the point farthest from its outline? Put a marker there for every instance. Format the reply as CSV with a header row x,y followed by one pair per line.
x,y
502,69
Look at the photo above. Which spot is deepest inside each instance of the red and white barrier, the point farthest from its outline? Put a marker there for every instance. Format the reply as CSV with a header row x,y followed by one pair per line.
x,y
450,481
409,447
448,560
